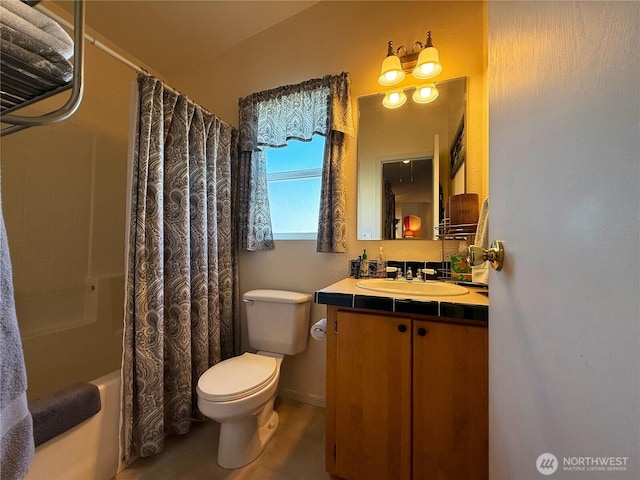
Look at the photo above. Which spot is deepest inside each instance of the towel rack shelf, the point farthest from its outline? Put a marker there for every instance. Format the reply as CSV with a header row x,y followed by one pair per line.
x,y
22,84
446,231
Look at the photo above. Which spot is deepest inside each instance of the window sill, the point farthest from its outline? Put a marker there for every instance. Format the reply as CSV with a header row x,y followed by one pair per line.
x,y
295,236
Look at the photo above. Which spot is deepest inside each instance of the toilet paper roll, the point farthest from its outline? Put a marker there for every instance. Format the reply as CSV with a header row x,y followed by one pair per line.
x,y
319,329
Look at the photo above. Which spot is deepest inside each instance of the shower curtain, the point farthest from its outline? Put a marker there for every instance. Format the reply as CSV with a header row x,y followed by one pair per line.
x,y
181,312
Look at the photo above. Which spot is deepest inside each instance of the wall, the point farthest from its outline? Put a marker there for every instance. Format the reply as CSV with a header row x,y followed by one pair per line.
x,y
48,214
63,191
564,340
328,38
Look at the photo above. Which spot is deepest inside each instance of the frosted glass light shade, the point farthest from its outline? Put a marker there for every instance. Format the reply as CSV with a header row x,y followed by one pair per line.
x,y
425,94
428,64
391,71
394,99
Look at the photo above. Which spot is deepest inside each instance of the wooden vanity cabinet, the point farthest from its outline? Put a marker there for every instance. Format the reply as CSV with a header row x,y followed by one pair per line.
x,y
368,396
406,398
450,401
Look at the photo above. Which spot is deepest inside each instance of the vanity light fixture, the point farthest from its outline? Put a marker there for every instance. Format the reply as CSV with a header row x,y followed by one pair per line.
x,y
422,94
428,64
425,93
391,71
394,99
423,63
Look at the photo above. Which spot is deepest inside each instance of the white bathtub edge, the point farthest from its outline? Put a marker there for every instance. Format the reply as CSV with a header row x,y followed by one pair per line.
x,y
89,450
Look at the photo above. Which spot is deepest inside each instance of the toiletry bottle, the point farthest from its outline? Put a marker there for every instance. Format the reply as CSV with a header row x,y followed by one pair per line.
x,y
364,265
381,265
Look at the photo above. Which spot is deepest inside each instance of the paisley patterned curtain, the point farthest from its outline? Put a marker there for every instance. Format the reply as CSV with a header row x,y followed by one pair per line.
x,y
389,218
272,118
181,312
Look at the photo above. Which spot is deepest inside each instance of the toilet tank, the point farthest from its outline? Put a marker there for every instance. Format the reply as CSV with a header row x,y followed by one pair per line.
x,y
277,320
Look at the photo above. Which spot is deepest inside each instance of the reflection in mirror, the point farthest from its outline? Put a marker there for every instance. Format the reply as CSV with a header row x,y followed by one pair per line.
x,y
409,160
408,190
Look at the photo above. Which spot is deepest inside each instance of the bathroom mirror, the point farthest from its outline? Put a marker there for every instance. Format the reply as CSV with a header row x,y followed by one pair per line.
x,y
409,158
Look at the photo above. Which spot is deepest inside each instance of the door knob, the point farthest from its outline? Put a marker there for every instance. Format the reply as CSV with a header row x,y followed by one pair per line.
x,y
422,331
495,254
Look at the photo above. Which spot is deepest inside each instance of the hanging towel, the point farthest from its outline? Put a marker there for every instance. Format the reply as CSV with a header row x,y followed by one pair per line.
x,y
480,274
16,445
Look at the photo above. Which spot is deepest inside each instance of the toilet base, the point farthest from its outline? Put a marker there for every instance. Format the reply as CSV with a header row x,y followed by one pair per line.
x,y
241,442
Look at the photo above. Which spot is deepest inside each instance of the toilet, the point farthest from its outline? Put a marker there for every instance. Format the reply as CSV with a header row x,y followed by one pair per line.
x,y
239,392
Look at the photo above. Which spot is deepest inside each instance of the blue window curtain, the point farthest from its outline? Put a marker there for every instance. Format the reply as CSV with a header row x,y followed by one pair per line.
x,y
270,119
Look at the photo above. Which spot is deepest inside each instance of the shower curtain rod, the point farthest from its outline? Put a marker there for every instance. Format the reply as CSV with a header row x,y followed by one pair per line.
x,y
101,46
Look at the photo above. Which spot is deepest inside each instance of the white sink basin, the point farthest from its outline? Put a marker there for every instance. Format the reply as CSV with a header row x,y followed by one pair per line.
x,y
414,287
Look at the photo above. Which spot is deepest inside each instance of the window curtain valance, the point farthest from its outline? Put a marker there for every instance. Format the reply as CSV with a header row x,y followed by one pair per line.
x,y
273,117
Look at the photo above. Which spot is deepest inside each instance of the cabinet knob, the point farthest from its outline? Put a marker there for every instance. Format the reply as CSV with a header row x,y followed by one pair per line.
x,y
402,328
422,331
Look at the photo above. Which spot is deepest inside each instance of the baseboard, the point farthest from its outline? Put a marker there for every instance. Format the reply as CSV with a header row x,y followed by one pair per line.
x,y
302,397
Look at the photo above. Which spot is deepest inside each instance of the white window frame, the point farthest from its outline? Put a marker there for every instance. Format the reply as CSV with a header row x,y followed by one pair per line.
x,y
295,175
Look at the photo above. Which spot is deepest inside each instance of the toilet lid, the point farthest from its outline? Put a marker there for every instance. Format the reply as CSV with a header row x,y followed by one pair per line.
x,y
236,377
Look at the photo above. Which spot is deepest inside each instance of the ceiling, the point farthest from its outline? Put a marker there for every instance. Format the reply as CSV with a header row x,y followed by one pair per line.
x,y
171,35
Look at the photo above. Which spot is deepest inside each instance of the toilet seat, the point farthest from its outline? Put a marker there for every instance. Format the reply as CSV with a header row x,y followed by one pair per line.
x,y
237,377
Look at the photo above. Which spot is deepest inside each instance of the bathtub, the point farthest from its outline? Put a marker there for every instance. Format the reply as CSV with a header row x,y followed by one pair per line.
x,y
88,451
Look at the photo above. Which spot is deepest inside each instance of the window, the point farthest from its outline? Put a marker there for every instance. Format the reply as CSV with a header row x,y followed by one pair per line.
x,y
294,173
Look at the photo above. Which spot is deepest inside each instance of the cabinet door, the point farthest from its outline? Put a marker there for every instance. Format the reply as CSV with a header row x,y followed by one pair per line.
x,y
372,397
450,401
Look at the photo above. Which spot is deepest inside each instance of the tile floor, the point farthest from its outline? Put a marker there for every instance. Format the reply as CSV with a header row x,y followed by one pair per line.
x,y
296,452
